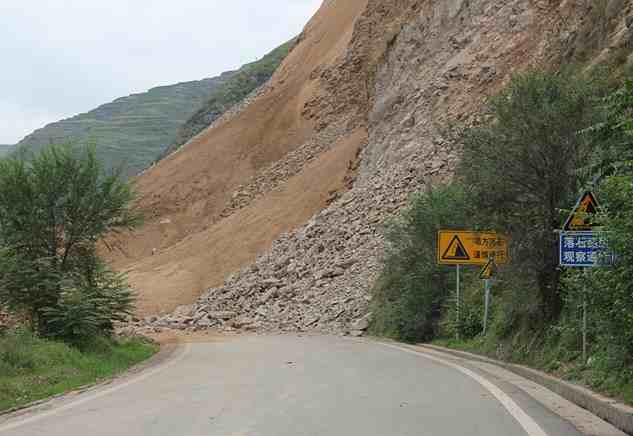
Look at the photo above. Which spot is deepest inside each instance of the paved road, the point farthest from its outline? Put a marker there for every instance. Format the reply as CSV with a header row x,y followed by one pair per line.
x,y
297,386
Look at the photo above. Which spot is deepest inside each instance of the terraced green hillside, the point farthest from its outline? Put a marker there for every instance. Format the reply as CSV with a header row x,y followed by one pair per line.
x,y
135,131
4,149
248,78
131,131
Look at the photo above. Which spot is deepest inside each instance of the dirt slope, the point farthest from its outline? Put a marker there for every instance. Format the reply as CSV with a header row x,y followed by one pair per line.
x,y
205,258
411,69
183,196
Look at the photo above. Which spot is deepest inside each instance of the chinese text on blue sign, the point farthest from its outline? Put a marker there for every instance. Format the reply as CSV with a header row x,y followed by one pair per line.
x,y
584,249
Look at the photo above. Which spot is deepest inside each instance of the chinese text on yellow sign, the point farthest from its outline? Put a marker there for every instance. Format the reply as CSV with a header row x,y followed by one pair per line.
x,y
471,248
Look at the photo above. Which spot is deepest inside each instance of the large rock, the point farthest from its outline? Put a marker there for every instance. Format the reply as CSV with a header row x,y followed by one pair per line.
x,y
362,323
222,315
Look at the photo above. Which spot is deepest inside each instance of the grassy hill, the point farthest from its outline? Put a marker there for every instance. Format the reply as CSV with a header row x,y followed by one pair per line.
x,y
131,131
248,78
4,149
135,131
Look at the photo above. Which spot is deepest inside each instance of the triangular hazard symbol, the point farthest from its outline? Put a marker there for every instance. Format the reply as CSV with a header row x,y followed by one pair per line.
x,y
456,250
583,216
489,270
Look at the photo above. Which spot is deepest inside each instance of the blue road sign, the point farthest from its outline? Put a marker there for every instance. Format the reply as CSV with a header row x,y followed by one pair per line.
x,y
585,249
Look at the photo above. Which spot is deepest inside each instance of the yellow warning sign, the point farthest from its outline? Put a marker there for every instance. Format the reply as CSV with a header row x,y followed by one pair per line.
x,y
489,270
471,248
582,218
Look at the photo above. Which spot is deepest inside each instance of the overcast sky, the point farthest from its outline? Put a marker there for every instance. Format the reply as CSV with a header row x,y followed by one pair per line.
x,y
63,57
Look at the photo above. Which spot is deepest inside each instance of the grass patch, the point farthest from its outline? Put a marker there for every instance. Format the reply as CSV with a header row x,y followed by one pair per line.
x,y
32,368
599,374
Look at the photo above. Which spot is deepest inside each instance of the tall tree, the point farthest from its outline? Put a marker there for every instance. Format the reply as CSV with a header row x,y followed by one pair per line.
x,y
522,166
53,210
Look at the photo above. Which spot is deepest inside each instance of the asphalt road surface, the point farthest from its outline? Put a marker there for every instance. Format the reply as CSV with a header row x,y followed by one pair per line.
x,y
296,386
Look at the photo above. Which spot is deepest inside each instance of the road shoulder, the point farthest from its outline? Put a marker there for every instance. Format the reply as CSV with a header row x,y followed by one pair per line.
x,y
586,422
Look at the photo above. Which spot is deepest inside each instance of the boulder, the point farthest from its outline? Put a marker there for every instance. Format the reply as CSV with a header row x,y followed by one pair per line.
x,y
183,311
222,315
362,323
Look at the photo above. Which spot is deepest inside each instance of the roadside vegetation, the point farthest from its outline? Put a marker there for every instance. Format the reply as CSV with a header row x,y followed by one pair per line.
x,y
54,207
33,368
547,139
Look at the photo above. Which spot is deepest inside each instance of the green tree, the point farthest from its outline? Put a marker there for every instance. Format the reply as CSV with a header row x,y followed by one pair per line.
x,y
613,134
522,165
53,210
612,289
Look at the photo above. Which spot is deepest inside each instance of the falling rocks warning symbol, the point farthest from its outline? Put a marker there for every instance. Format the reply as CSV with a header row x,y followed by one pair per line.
x,y
583,216
456,251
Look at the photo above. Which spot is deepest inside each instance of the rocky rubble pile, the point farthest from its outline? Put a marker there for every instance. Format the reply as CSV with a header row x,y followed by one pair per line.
x,y
318,277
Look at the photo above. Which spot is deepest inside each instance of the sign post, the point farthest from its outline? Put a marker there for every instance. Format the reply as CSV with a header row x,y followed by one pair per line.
x,y
486,304
584,319
469,248
458,293
486,275
582,246
584,249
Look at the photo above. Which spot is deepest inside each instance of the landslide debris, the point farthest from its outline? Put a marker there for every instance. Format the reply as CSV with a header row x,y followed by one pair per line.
x,y
409,70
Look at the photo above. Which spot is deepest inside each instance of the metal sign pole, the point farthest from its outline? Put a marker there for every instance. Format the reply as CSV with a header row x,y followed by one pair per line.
x,y
584,318
486,304
458,304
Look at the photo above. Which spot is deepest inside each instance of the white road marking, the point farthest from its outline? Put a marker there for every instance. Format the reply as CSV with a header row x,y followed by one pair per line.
x,y
99,394
529,425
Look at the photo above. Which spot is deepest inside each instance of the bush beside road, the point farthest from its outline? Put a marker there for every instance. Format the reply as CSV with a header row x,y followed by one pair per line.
x,y
32,368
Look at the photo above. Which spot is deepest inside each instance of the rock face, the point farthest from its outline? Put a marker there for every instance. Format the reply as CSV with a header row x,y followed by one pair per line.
x,y
412,69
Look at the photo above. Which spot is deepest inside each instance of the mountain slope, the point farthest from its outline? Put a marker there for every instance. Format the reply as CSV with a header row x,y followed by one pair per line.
x,y
131,131
185,196
4,149
224,97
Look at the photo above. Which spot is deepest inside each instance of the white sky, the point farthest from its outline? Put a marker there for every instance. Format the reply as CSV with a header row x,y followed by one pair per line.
x,y
63,57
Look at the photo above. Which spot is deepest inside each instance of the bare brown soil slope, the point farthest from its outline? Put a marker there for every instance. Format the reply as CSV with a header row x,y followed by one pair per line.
x,y
183,196
179,274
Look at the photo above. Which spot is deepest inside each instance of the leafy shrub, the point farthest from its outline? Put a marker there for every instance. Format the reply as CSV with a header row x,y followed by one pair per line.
x,y
469,324
611,290
53,209
412,288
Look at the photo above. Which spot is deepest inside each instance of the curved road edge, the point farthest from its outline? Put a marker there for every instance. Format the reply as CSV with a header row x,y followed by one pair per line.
x,y
585,421
618,414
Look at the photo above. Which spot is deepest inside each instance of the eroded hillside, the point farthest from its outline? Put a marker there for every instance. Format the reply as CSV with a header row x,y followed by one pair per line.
x,y
185,197
278,208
